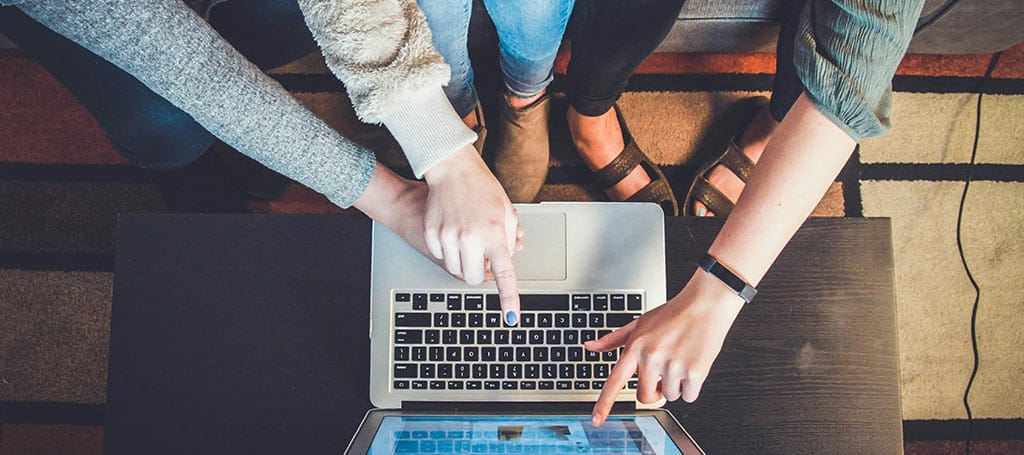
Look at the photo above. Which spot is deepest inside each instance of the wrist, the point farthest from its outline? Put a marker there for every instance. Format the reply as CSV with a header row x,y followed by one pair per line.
x,y
384,192
452,165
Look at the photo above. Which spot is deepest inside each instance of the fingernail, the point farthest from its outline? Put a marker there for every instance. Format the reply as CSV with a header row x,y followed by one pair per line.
x,y
595,419
510,318
702,211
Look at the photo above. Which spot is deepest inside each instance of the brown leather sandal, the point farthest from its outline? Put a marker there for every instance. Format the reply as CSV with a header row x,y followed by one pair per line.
x,y
735,122
658,191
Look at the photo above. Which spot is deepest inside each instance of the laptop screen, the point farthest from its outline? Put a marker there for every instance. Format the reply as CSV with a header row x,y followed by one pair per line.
x,y
521,434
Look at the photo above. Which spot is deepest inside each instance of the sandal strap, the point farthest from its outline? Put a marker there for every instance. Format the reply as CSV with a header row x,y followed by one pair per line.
x,y
738,162
717,203
620,167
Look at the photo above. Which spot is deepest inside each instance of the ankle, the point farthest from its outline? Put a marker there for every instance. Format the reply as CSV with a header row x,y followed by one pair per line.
x,y
523,103
471,120
598,139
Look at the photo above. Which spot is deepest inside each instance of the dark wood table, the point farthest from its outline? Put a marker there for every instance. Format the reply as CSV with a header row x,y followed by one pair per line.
x,y
248,334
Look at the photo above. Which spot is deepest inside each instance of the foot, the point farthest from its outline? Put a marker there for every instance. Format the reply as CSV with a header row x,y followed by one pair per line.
x,y
752,143
521,154
598,141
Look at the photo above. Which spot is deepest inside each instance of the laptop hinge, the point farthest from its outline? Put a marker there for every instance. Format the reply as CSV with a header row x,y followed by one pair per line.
x,y
568,407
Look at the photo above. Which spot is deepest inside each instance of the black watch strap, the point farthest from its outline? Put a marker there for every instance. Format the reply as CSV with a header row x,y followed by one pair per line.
x,y
709,264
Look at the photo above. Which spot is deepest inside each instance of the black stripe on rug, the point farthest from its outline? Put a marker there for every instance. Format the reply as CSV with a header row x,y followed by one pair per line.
x,y
718,82
57,262
850,177
941,172
43,413
103,173
956,430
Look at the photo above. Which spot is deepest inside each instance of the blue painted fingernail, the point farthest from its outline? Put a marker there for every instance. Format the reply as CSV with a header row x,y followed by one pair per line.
x,y
510,318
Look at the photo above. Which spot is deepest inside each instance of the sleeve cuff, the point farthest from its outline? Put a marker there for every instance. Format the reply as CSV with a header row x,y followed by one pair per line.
x,y
428,129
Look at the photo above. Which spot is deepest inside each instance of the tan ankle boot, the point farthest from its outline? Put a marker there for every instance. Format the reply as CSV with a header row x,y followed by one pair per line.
x,y
522,152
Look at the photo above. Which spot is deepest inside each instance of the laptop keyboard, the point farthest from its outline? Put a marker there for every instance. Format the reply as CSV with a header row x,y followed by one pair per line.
x,y
459,341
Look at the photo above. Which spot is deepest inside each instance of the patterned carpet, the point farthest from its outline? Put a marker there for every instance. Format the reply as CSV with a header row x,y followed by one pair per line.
x,y
62,185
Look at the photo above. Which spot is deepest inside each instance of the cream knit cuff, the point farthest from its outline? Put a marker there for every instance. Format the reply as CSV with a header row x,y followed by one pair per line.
x,y
428,129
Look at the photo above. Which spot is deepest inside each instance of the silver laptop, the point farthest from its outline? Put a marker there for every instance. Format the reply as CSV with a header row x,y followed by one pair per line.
x,y
585,270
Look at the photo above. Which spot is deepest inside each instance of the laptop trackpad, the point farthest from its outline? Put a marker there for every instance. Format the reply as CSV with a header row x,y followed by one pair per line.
x,y
543,254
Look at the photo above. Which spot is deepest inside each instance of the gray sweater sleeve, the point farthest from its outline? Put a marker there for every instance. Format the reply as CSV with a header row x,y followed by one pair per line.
x,y
177,55
846,53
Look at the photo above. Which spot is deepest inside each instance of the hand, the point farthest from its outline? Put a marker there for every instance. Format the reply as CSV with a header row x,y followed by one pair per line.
x,y
671,347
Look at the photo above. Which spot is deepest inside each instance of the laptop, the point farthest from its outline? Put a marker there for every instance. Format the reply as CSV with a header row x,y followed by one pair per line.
x,y
439,346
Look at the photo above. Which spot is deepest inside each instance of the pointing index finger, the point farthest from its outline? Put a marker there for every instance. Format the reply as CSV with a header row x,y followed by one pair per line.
x,y
504,273
616,381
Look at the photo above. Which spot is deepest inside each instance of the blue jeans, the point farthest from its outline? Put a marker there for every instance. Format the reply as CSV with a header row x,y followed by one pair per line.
x,y
529,34
145,128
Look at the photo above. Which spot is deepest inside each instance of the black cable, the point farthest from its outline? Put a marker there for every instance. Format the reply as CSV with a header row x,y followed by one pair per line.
x,y
960,247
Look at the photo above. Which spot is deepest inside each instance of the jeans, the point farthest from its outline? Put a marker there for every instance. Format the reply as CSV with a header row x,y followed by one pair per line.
x,y
145,128
529,34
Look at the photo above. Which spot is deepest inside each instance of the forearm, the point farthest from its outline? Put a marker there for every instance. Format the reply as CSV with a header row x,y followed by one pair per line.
x,y
799,164
382,51
177,55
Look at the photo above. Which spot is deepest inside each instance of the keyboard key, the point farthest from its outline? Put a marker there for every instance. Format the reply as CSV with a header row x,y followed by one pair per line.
x,y
566,371
522,354
536,337
488,354
419,301
549,371
400,385
458,319
531,371
545,319
528,385
546,385
616,320
579,320
631,385
432,336
470,354
558,354
440,319
596,320
493,302
601,371
587,335
402,297
437,385
509,385
496,371
563,385
449,336
600,302
412,319
405,370
436,353
493,319
401,353
575,354
476,319
483,337
581,385
618,302
427,370
453,354
444,370
554,337
634,303
562,320
581,302
419,353
610,356
466,337
408,336
544,302
462,370
419,385
474,385
571,337
454,302
528,320
501,336
518,337
505,354
583,370
514,371
454,385
474,302
597,385
407,446
437,297
540,354
492,385
592,356
479,371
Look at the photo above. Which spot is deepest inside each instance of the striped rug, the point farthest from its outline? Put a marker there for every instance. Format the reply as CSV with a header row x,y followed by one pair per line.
x,y
62,184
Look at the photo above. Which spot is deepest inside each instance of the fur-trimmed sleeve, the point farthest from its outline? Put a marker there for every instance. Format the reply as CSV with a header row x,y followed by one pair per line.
x,y
382,51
